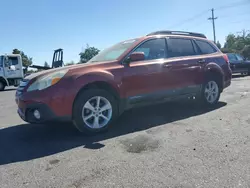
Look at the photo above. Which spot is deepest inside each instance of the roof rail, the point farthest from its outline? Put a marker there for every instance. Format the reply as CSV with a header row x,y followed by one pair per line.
x,y
166,32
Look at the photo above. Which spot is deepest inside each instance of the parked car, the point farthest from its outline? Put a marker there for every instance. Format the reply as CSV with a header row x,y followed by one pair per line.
x,y
238,64
162,66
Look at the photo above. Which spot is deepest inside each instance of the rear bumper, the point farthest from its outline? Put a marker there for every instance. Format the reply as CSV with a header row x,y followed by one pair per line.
x,y
26,113
227,84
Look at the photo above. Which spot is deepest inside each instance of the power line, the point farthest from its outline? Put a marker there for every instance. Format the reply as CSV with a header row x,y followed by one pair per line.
x,y
229,15
189,19
241,21
233,5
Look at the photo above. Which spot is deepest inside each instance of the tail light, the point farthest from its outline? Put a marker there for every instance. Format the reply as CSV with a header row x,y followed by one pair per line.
x,y
226,58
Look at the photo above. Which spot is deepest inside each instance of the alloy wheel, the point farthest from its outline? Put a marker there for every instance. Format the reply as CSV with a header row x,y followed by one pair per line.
x,y
1,86
97,112
211,92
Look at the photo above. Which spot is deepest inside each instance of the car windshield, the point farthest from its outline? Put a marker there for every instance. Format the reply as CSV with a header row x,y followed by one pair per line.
x,y
113,52
231,57
239,57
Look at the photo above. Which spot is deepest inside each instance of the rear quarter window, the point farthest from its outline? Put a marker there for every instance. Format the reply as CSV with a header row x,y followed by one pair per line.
x,y
205,47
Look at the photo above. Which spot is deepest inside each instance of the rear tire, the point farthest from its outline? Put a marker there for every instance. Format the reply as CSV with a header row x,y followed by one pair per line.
x,y
94,111
2,86
210,92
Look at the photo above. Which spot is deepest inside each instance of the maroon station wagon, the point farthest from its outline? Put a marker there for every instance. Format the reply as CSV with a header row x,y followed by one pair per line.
x,y
159,67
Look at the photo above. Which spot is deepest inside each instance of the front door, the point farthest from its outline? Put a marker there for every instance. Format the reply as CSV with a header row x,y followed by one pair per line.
x,y
17,72
1,67
141,79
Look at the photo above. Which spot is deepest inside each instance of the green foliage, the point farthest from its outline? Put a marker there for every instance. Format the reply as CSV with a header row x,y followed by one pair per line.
x,y
88,54
46,64
246,52
70,63
239,43
27,61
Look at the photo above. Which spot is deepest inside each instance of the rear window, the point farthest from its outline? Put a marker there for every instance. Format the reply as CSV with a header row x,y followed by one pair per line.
x,y
205,47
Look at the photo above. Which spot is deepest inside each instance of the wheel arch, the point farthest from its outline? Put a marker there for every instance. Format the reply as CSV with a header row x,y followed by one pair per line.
x,y
217,74
5,81
98,85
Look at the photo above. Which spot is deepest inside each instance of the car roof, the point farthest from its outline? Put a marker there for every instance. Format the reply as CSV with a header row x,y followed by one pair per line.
x,y
178,33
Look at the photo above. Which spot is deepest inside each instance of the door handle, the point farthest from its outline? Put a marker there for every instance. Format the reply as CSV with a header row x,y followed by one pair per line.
x,y
202,61
167,65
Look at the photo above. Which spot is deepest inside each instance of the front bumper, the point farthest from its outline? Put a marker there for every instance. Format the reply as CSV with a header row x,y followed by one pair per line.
x,y
26,112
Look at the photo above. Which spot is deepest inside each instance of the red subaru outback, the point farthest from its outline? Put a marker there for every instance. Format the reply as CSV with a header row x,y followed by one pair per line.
x,y
159,67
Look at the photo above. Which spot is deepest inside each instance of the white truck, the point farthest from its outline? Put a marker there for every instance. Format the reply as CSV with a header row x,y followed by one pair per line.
x,y
11,70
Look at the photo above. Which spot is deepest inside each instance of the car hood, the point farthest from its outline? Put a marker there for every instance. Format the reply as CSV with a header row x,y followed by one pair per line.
x,y
71,67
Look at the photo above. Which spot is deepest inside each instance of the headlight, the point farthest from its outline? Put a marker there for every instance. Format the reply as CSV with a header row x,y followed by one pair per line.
x,y
47,80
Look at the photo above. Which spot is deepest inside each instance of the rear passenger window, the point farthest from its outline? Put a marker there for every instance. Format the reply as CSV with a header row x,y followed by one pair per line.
x,y
205,47
178,47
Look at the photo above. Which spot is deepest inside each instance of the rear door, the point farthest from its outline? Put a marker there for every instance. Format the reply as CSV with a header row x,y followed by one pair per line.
x,y
183,67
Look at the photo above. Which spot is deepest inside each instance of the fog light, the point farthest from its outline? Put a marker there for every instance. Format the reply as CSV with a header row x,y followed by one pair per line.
x,y
37,114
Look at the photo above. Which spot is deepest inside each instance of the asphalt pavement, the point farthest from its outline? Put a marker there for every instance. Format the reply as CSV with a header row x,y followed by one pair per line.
x,y
168,145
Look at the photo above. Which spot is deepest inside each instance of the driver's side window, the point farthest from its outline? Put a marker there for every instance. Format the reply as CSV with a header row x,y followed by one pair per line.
x,y
153,49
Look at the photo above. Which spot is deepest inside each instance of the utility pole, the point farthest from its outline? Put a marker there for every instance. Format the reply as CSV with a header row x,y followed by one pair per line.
x,y
213,18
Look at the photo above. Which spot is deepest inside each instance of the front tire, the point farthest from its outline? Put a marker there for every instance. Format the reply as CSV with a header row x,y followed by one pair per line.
x,y
94,111
2,86
210,93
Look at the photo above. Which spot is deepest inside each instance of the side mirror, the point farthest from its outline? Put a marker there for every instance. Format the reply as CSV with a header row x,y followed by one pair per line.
x,y
137,56
12,67
6,61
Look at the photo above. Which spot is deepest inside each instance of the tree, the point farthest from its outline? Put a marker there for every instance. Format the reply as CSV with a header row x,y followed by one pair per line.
x,y
88,54
46,64
246,51
27,61
239,43
218,44
70,63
